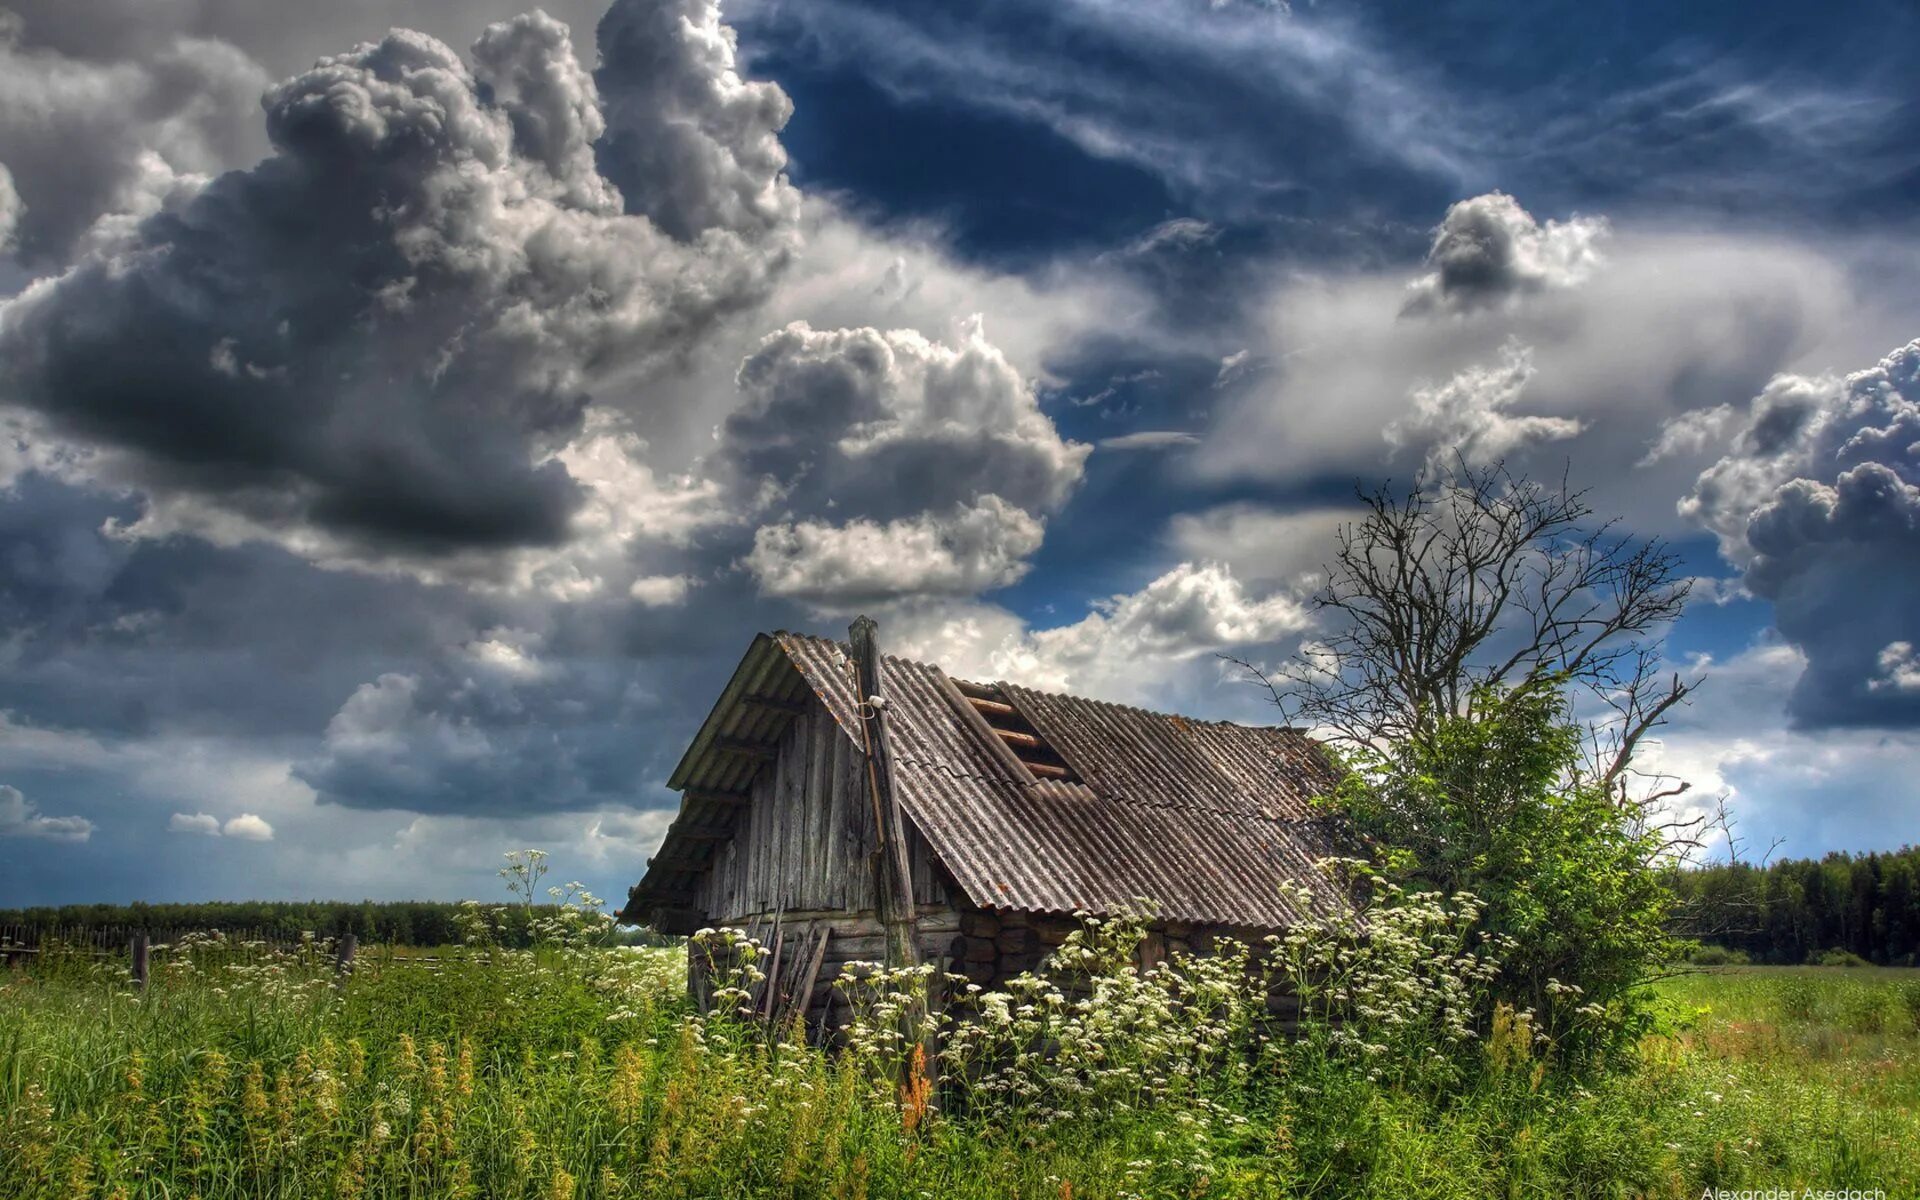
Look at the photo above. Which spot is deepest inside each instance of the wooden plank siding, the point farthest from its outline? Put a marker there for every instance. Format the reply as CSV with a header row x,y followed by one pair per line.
x,y
801,844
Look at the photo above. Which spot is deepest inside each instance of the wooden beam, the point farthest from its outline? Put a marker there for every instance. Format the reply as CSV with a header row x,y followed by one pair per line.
x,y
669,860
893,869
970,716
714,796
1016,738
802,999
761,750
992,708
770,989
1048,770
977,691
775,704
680,921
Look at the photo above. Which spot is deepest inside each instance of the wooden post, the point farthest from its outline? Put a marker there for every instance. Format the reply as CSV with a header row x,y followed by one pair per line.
x,y
893,872
141,947
803,1000
343,957
893,869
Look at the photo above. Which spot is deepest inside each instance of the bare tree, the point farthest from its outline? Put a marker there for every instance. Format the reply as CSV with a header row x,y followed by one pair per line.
x,y
1478,583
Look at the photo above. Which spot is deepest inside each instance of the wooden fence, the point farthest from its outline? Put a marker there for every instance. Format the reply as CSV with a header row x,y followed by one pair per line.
x,y
114,939
20,944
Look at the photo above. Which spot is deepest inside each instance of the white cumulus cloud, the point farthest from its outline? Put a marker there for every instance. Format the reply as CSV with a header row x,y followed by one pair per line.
x,y
248,827
20,818
1488,251
1471,415
967,550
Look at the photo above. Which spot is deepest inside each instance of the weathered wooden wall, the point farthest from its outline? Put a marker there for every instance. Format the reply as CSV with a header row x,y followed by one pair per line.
x,y
798,966
802,844
799,861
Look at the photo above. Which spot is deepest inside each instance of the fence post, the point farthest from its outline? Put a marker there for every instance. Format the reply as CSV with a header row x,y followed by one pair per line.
x,y
141,945
343,958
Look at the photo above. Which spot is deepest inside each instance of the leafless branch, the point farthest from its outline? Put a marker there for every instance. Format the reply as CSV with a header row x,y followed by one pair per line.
x,y
1480,580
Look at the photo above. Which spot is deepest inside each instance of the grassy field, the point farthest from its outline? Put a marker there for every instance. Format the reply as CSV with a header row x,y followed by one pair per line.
x,y
581,1074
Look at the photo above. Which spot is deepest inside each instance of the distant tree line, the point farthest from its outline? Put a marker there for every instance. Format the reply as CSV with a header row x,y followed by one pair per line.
x,y
395,922
1795,910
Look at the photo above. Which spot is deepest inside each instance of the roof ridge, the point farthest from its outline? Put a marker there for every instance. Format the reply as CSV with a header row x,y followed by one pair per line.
x,y
1149,712
844,647
1002,683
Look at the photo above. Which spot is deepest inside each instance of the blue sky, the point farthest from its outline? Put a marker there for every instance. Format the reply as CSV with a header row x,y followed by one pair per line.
x,y
412,409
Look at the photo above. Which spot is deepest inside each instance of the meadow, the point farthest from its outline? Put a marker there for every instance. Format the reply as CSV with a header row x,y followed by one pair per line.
x,y
569,1073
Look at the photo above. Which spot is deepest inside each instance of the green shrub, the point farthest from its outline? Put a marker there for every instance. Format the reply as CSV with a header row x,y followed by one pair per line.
x,y
1837,957
1716,956
1497,804
1907,999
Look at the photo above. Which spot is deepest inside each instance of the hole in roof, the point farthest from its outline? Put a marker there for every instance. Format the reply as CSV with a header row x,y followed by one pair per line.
x,y
1017,732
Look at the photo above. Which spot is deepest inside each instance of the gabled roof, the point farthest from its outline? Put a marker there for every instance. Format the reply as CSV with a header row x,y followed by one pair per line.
x,y
1202,818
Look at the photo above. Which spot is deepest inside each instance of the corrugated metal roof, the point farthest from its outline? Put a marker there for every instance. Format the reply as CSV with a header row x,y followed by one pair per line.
x,y
1165,760
1201,818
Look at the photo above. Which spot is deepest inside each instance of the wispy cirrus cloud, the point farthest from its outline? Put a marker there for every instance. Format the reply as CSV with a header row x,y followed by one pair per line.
x,y
1136,81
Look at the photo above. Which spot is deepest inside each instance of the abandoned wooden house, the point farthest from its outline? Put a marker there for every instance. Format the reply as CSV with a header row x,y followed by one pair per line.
x,y
844,810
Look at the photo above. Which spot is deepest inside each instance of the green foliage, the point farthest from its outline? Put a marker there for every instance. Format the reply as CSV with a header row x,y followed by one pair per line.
x,y
1700,955
1495,804
1793,909
1388,993
581,1073
391,923
1836,957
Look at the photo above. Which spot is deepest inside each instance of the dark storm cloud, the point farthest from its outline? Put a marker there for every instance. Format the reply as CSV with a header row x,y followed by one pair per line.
x,y
83,136
87,137
477,732
588,711
889,423
385,331
381,689
130,637
927,466
1819,503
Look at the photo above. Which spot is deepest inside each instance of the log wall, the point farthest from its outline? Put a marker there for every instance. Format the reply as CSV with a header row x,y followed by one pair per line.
x,y
992,947
988,948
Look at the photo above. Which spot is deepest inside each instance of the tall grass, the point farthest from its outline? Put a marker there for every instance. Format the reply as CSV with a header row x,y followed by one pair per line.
x,y
580,1073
